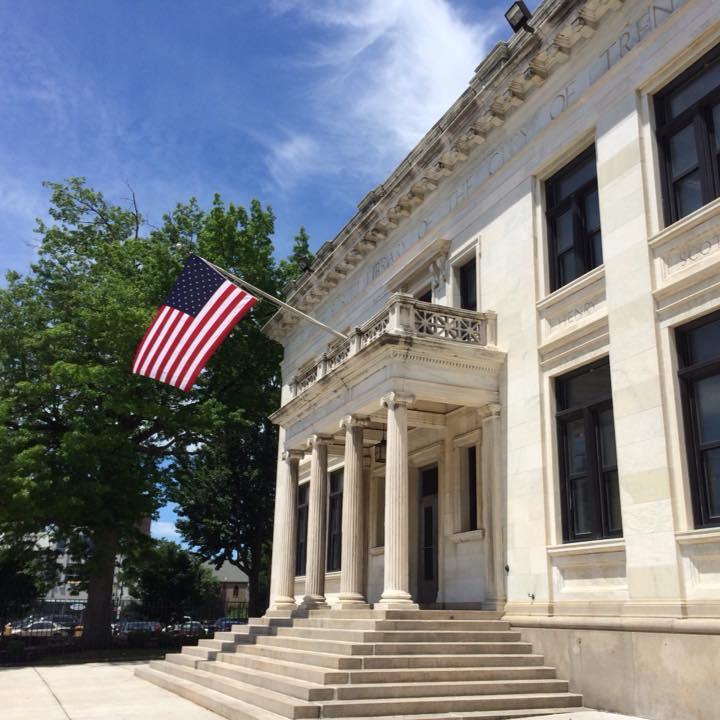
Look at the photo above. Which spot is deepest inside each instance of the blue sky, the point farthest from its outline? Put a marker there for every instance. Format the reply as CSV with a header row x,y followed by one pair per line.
x,y
304,105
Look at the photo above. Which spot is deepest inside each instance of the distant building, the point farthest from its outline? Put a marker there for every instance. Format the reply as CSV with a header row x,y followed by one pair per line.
x,y
233,584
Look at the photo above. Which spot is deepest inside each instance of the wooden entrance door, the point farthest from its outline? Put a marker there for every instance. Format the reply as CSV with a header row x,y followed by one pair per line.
x,y
428,536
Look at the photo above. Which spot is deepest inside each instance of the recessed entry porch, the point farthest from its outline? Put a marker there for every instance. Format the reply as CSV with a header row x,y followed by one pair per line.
x,y
410,428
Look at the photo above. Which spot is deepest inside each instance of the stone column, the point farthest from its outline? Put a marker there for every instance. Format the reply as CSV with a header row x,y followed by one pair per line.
x,y
493,506
316,541
353,515
396,590
284,531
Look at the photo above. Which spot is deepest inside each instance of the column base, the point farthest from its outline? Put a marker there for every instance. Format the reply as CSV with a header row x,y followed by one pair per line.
x,y
313,602
396,600
351,601
283,602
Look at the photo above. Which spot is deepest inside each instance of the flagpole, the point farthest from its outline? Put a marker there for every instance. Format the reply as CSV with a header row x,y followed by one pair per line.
x,y
272,298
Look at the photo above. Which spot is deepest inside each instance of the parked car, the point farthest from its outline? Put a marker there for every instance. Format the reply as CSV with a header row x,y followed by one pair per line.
x,y
139,632
189,628
41,628
68,621
224,624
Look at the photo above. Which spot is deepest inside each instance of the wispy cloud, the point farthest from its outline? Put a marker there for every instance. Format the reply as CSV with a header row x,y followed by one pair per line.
x,y
164,529
386,71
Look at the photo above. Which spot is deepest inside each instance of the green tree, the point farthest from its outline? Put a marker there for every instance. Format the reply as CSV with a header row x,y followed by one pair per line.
x,y
81,439
170,581
300,259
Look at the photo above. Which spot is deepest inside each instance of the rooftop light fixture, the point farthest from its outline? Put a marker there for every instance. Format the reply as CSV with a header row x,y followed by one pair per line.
x,y
519,16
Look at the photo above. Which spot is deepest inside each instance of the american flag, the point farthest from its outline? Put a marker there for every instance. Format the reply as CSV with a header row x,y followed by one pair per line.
x,y
202,308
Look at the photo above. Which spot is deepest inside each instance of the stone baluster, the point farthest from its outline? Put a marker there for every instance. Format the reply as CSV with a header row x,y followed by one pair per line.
x,y
316,547
282,581
396,590
353,515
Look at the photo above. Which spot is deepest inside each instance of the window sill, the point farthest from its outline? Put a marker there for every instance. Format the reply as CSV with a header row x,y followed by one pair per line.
x,y
686,223
467,536
699,537
380,550
587,548
578,284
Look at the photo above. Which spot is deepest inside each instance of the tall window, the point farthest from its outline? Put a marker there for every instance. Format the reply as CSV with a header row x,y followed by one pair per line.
x,y
573,213
586,433
699,349
472,487
688,131
302,530
467,278
334,533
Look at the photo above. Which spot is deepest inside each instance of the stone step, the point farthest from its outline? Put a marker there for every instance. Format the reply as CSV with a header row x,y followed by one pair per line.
x,y
267,622
412,690
454,674
379,624
374,636
288,707
217,702
446,648
337,647
200,651
219,645
284,685
301,671
314,658
451,661
408,614
483,714
183,659
449,704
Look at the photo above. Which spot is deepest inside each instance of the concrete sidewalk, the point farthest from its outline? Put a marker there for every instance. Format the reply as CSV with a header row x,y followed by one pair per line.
x,y
110,691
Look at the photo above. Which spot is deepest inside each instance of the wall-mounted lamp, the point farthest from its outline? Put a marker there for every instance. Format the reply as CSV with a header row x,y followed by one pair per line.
x,y
519,17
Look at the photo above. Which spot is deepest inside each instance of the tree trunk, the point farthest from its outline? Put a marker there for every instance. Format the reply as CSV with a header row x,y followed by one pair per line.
x,y
257,589
99,608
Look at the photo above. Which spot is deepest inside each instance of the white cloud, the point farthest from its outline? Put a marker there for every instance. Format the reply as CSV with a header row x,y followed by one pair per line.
x,y
164,529
390,71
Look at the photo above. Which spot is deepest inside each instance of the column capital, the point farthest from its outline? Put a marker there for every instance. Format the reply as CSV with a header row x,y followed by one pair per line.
x,y
490,411
394,399
319,440
293,455
349,421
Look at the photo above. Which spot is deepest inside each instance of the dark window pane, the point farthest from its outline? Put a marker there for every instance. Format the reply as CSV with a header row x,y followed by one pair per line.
x,y
472,487
683,151
568,267
577,447
606,431
688,194
429,481
596,245
468,286
426,296
576,178
712,481
695,90
428,543
592,212
716,125
583,506
707,394
704,342
612,500
586,388
564,231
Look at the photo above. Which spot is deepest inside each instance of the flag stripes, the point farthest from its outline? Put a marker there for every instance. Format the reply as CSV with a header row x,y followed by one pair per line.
x,y
178,342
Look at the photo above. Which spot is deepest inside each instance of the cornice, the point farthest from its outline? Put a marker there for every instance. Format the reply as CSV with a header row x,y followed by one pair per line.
x,y
501,84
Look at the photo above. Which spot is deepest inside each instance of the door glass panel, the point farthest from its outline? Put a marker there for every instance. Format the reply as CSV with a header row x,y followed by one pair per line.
x,y
712,481
564,234
716,125
683,151
583,505
576,178
707,394
612,501
696,89
607,438
705,342
592,212
688,194
428,570
596,244
568,267
577,460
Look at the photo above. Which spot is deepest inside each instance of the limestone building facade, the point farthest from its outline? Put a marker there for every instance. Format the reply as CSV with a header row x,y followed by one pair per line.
x,y
525,412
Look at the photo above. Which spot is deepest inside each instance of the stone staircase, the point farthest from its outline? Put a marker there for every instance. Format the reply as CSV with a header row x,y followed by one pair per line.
x,y
409,665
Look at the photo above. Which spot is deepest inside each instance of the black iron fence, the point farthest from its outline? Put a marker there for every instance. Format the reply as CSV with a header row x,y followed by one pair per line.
x,y
55,630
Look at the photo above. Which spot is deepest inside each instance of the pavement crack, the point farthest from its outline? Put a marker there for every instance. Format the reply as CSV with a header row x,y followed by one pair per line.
x,y
47,685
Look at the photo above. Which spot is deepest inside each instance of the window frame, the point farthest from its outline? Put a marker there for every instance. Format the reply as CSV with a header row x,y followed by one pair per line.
x,y
596,471
554,207
302,508
333,555
696,115
688,374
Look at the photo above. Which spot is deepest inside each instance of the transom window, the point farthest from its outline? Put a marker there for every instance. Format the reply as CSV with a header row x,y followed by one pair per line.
x,y
301,530
573,213
334,532
688,131
699,350
588,472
